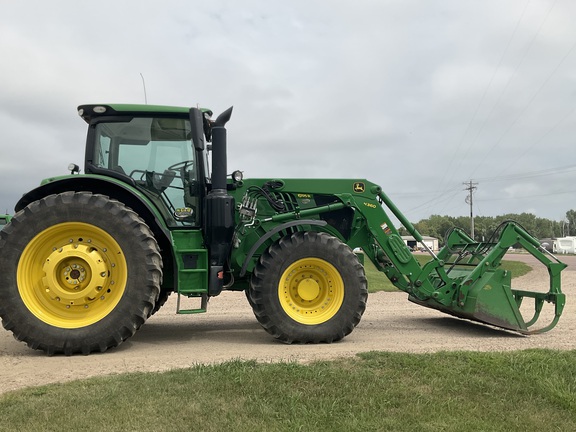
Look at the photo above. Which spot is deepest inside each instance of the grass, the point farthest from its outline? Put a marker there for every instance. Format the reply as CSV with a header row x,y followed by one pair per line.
x,y
447,391
377,281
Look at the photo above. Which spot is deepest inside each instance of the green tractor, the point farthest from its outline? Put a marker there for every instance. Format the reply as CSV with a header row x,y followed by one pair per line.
x,y
88,258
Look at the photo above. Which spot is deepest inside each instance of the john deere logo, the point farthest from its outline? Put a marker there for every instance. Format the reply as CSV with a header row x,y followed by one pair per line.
x,y
359,187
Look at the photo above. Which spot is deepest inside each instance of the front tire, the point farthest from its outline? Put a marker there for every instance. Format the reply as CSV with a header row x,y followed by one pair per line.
x,y
79,273
308,288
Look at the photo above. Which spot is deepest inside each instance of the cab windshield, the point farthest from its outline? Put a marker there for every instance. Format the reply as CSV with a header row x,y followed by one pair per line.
x,y
157,153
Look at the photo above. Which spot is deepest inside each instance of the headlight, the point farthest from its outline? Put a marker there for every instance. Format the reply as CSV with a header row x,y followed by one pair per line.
x,y
73,168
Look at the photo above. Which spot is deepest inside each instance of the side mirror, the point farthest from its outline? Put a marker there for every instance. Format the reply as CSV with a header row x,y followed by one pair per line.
x,y
197,128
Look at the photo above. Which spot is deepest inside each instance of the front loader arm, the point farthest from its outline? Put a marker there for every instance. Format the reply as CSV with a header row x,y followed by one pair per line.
x,y
464,278
382,243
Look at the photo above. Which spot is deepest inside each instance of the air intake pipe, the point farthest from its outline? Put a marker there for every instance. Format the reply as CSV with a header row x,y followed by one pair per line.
x,y
219,209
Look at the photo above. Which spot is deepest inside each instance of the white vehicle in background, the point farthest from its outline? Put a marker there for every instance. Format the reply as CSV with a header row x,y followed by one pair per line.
x,y
565,245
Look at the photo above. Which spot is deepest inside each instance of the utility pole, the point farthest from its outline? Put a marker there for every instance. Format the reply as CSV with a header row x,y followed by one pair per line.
x,y
470,187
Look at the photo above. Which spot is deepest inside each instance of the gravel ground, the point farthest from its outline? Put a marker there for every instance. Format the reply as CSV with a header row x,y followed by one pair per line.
x,y
229,331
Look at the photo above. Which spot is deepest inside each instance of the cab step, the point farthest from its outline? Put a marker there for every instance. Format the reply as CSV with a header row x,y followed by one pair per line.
x,y
203,304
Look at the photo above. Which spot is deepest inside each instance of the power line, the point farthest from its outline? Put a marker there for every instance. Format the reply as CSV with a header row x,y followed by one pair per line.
x,y
531,174
441,199
565,169
435,200
527,196
474,115
420,193
529,148
514,73
534,96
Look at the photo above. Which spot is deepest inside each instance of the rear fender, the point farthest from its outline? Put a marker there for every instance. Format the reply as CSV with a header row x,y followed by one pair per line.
x,y
122,192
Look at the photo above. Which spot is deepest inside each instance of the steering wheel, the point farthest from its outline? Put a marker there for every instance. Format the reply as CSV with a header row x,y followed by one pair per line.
x,y
175,167
180,165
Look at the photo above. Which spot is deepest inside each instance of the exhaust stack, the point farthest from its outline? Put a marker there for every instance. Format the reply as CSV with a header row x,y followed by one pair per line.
x,y
219,208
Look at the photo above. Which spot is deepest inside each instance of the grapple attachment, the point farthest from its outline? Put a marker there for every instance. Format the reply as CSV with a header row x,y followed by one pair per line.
x,y
469,283
465,278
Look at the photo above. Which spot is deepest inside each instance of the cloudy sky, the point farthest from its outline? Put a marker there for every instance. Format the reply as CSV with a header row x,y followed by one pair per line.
x,y
418,96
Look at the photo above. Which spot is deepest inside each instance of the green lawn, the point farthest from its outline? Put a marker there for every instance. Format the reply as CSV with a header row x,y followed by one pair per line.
x,y
379,391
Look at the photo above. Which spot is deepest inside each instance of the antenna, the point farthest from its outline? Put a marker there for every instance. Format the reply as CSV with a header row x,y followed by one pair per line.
x,y
144,85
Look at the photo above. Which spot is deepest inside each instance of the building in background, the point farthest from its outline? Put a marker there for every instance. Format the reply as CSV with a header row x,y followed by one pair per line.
x,y
411,242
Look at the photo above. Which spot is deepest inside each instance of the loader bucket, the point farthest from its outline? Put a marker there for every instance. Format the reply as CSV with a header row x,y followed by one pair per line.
x,y
490,299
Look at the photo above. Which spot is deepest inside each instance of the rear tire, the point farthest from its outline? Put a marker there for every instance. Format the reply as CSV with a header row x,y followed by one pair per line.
x,y
308,288
162,299
79,273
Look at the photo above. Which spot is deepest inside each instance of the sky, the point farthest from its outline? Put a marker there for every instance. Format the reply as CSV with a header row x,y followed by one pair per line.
x,y
421,97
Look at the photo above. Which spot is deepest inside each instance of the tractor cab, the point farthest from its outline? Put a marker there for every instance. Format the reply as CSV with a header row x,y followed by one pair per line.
x,y
152,150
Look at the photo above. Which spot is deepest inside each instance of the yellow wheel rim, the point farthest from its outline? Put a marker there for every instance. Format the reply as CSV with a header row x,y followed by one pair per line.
x,y
311,291
72,275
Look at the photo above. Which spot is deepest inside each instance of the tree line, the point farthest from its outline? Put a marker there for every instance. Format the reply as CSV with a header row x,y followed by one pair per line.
x,y
484,226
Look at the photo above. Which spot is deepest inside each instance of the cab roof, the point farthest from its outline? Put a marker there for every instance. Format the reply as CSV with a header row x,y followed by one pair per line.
x,y
88,112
